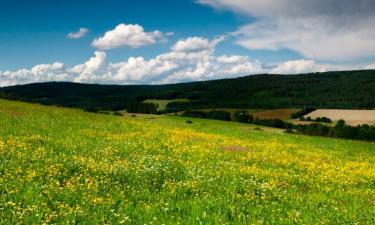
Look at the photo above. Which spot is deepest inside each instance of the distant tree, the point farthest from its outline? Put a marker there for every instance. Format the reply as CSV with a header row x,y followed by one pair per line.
x,y
195,114
341,123
302,112
241,117
219,115
143,108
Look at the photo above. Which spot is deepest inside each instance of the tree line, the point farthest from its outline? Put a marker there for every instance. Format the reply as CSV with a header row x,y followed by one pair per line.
x,y
340,130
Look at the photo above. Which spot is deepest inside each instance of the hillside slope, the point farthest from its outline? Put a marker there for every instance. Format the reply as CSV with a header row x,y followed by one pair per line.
x,y
351,89
66,166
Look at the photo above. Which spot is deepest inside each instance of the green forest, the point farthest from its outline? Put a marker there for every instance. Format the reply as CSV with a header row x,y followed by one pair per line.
x,y
347,90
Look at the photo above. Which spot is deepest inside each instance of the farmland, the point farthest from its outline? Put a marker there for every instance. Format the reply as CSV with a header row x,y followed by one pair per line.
x,y
351,117
68,166
282,114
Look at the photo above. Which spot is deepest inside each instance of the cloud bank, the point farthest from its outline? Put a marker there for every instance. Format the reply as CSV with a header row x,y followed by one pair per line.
x,y
190,59
336,30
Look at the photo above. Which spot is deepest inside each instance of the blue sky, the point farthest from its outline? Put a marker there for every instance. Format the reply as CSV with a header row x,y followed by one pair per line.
x,y
254,39
34,32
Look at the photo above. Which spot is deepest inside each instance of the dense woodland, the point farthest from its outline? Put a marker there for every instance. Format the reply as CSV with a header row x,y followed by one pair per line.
x,y
350,89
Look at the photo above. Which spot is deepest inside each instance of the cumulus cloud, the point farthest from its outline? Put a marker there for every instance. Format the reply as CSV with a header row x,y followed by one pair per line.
x,y
90,68
191,59
130,35
188,60
79,34
39,73
318,29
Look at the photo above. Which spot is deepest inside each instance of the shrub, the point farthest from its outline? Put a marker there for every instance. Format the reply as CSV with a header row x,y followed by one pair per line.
x,y
241,117
302,112
219,115
323,120
195,114
144,108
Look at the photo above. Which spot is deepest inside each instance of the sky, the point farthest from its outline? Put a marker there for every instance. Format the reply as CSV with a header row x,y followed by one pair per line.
x,y
169,41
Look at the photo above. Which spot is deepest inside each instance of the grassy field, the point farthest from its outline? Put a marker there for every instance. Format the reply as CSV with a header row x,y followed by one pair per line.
x,y
67,166
351,117
163,103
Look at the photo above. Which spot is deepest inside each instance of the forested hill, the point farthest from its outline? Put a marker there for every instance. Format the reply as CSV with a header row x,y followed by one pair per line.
x,y
350,89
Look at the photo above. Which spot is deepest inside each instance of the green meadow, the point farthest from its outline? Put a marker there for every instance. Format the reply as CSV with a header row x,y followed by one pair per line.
x,y
66,166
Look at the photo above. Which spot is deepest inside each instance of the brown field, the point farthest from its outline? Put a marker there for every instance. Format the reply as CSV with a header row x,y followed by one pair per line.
x,y
352,117
282,114
231,110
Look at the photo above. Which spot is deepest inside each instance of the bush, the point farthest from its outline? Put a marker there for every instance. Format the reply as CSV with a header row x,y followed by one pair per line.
x,y
219,115
323,120
213,115
241,117
195,114
277,123
302,112
178,106
144,108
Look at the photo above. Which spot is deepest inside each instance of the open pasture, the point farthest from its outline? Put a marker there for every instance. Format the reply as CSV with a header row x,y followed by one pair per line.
x,y
66,166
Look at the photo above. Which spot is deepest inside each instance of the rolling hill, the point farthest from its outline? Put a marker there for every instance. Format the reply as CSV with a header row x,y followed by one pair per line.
x,y
348,90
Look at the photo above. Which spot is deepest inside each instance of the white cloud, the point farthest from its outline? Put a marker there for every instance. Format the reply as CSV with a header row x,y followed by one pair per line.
x,y
39,73
298,66
225,59
80,33
91,67
196,44
319,29
130,35
188,60
191,59
370,67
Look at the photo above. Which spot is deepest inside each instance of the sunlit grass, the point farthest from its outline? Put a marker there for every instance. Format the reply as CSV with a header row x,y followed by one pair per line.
x,y
67,166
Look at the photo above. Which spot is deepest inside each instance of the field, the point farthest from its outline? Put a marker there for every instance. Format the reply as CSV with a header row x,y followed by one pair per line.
x,y
163,103
282,114
66,166
351,117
